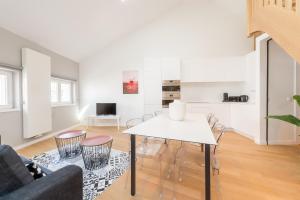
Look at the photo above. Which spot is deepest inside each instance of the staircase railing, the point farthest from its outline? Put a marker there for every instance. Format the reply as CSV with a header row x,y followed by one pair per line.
x,y
280,19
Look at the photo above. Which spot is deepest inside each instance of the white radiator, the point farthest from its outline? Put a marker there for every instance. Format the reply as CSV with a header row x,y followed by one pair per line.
x,y
36,93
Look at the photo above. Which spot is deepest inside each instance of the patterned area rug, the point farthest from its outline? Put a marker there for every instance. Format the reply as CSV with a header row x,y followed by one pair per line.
x,y
94,182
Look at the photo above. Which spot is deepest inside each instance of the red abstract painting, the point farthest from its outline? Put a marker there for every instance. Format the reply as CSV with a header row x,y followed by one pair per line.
x,y
130,82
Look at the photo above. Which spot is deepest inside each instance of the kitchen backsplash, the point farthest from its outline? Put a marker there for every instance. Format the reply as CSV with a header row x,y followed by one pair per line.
x,y
213,92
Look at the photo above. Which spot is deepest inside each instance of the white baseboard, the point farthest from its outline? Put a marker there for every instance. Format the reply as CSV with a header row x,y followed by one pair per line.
x,y
242,134
274,142
281,142
43,138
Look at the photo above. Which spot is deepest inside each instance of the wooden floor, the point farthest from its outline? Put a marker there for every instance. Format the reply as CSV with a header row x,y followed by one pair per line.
x,y
248,171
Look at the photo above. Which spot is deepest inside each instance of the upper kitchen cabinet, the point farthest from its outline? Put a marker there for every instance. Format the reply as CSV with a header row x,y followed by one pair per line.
x,y
229,69
170,69
152,82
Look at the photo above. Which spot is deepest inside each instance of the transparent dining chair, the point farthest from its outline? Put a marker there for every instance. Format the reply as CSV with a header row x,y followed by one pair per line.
x,y
219,131
213,121
209,116
146,117
154,150
150,144
129,124
158,112
133,122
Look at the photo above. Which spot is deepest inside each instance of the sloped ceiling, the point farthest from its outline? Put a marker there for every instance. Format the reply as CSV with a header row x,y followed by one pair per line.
x,y
78,28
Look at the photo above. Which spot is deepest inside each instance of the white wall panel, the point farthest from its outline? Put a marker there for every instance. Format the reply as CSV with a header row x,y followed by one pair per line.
x,y
36,93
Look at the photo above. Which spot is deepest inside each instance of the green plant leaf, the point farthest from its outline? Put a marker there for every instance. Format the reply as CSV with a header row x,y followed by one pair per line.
x,y
287,118
297,99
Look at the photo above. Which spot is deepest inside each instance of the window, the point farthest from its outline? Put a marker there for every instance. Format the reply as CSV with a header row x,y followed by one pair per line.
x,y
54,91
62,91
65,91
6,89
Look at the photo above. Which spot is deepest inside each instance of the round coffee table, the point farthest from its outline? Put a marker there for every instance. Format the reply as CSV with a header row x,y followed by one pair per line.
x,y
96,151
68,143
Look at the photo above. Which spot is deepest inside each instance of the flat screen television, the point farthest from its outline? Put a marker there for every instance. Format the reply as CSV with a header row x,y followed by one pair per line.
x,y
106,109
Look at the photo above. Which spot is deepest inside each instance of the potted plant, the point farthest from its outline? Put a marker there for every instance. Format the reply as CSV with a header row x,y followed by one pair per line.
x,y
289,118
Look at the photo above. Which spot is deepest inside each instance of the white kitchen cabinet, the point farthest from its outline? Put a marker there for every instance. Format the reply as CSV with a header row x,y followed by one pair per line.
x,y
229,69
152,85
245,119
252,69
170,69
155,71
241,117
220,110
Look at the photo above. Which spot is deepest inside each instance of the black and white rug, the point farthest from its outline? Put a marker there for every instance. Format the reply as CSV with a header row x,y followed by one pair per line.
x,y
94,182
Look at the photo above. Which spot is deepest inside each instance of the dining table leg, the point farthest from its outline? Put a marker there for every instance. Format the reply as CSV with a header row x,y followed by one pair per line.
x,y
133,169
207,172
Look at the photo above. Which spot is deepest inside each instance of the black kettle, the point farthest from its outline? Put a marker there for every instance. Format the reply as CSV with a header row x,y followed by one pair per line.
x,y
244,98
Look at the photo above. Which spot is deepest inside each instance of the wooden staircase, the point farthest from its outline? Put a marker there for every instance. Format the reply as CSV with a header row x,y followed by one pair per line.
x,y
278,18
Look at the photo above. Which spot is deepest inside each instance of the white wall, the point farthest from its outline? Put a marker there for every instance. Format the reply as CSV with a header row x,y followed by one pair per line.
x,y
62,117
196,29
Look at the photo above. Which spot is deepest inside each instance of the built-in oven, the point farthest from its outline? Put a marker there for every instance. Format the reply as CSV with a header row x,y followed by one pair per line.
x,y
170,92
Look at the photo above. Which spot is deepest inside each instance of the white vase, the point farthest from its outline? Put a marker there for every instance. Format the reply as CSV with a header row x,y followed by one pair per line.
x,y
177,110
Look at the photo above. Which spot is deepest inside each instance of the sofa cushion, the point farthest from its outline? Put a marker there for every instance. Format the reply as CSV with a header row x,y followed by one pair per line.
x,y
35,170
27,161
13,173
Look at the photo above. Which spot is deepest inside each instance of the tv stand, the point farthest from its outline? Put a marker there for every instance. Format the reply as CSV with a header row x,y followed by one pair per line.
x,y
93,118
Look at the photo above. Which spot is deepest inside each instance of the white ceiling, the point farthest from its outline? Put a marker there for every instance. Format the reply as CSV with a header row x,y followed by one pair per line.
x,y
78,28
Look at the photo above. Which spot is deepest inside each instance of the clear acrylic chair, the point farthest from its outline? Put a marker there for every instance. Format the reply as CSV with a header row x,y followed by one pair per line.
x,y
158,112
133,122
150,150
218,132
146,117
209,116
213,121
149,140
129,124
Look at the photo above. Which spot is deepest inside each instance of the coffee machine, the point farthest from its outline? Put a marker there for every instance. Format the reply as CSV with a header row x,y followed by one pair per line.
x,y
242,98
225,97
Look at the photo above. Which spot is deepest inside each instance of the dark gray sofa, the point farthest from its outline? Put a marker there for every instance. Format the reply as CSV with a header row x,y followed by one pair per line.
x,y
17,183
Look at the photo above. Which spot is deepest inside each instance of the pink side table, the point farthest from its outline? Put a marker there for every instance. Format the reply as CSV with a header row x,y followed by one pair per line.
x,y
68,143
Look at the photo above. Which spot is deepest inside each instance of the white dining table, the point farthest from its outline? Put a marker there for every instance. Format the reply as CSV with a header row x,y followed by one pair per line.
x,y
194,128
